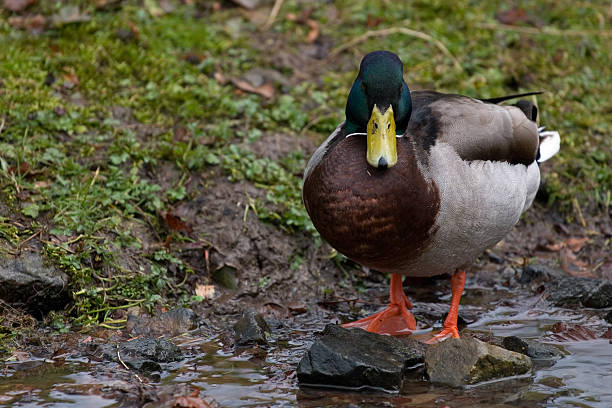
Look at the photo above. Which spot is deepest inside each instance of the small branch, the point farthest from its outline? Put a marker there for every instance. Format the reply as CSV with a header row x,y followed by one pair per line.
x,y
544,30
396,30
125,365
273,14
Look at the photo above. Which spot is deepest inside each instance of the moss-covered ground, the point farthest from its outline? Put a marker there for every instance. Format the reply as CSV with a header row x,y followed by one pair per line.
x,y
107,93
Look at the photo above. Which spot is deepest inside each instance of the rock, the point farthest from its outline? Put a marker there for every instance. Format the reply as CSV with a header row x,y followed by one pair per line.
x,y
143,354
171,323
537,273
357,358
459,362
251,329
531,348
608,317
27,283
572,291
601,298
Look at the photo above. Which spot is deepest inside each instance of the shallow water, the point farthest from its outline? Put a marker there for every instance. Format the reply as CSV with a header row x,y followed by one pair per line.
x,y
254,377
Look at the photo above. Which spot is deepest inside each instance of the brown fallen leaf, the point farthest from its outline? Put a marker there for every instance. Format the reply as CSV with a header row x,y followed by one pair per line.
x,y
297,308
190,402
512,16
18,5
175,223
35,24
313,34
41,184
576,244
267,90
21,170
564,332
205,291
574,266
220,78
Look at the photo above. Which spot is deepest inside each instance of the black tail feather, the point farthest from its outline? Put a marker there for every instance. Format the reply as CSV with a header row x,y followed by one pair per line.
x,y
507,97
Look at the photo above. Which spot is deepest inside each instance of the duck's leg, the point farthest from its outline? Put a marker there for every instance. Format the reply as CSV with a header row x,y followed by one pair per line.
x,y
449,329
395,319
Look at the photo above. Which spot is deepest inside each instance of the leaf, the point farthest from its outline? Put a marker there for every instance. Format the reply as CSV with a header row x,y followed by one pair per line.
x,y
69,15
574,266
512,16
34,23
31,210
175,223
564,332
313,34
205,291
190,402
266,90
18,5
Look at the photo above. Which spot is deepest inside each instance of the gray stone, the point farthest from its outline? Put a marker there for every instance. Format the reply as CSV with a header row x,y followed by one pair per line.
x,y
171,323
572,291
26,282
537,273
460,362
608,317
356,358
601,297
143,354
251,329
531,348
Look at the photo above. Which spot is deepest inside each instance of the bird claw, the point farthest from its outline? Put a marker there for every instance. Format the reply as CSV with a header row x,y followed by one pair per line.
x,y
446,333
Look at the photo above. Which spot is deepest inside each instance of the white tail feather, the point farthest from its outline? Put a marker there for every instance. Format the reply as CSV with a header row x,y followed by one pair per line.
x,y
550,143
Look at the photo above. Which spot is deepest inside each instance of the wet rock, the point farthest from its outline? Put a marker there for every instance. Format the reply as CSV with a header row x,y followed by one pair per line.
x,y
537,273
357,358
531,348
143,354
459,362
608,317
28,283
251,329
171,323
572,291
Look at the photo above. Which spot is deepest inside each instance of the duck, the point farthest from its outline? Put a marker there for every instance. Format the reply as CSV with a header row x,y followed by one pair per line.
x,y
420,183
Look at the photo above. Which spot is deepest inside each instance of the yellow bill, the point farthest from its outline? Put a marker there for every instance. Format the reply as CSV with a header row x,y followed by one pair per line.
x,y
382,146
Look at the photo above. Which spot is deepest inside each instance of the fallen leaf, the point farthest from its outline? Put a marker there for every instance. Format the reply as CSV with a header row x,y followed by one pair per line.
x,y
18,356
18,5
266,90
21,170
576,244
42,184
313,34
574,266
564,332
512,16
297,308
69,15
35,24
205,291
373,21
607,334
175,223
190,402
220,78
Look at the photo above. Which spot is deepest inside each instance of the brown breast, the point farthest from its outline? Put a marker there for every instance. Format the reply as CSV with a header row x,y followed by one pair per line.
x,y
379,218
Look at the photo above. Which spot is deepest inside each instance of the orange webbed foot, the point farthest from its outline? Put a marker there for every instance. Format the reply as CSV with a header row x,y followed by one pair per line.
x,y
395,319
446,333
449,329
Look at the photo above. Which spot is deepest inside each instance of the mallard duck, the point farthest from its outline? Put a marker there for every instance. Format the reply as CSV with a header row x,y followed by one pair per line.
x,y
420,183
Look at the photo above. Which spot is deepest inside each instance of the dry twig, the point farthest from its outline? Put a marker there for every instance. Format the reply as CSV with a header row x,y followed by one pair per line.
x,y
273,14
125,365
544,30
395,30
